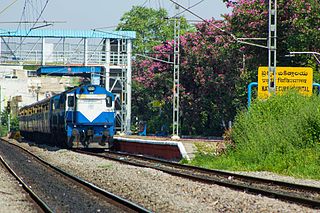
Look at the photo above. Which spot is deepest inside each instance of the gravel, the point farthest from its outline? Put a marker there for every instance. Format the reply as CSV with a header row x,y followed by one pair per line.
x,y
161,192
60,193
13,198
273,176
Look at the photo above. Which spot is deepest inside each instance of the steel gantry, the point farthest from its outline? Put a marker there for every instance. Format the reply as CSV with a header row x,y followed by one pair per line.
x,y
109,49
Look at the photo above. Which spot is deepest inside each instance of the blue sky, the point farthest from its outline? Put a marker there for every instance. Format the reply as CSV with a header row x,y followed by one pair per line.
x,y
96,13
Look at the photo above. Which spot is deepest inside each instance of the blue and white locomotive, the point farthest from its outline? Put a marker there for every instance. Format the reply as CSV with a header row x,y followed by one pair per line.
x,y
81,117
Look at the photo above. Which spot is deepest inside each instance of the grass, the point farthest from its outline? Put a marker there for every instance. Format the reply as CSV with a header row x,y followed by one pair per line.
x,y
105,166
280,135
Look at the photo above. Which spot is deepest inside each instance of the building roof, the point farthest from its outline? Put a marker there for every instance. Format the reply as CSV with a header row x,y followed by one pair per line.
x,y
68,34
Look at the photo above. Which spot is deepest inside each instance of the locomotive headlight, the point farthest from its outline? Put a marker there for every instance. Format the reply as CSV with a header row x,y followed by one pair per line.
x,y
91,88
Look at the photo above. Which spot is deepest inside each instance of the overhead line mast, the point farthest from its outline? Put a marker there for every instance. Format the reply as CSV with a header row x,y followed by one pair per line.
x,y
272,46
271,40
176,73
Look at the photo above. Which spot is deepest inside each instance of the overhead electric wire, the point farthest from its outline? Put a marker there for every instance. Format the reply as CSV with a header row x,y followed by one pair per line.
x,y
217,27
22,14
112,33
190,7
44,7
196,15
30,22
98,28
34,24
7,7
145,2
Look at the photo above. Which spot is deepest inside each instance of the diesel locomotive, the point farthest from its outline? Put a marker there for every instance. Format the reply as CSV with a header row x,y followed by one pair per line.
x,y
80,117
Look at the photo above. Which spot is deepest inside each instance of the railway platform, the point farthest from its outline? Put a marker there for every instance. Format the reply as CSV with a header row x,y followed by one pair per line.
x,y
164,147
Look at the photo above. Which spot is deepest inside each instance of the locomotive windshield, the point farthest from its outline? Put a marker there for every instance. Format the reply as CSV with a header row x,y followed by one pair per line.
x,y
109,101
70,101
91,108
94,102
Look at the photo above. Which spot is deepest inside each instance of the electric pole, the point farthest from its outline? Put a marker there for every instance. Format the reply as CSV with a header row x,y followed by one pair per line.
x,y
176,83
272,46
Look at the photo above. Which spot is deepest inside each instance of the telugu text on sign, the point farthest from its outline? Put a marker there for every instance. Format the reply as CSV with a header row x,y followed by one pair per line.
x,y
300,78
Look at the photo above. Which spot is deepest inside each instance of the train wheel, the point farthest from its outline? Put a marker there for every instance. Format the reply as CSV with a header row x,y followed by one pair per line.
x,y
69,142
103,141
88,141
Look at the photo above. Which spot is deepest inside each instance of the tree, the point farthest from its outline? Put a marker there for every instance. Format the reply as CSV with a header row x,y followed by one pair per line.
x,y
14,123
152,26
213,76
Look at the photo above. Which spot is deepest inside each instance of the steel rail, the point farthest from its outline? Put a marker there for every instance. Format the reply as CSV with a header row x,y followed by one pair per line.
x,y
227,183
226,173
32,194
118,199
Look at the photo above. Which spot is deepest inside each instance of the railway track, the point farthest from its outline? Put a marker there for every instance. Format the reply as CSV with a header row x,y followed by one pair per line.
x,y
56,190
296,193
39,203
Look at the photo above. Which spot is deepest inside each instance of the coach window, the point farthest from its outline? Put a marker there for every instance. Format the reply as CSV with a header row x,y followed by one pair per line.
x,y
71,101
109,101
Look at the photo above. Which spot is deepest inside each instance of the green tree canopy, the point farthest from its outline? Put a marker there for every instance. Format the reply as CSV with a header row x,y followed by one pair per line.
x,y
215,69
153,27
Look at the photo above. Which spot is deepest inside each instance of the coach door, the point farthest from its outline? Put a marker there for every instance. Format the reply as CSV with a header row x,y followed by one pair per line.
x,y
70,108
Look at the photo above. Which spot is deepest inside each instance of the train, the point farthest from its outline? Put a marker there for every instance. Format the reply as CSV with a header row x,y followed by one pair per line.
x,y
83,116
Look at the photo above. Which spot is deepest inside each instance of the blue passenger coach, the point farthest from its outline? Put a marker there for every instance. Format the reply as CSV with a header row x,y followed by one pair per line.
x,y
81,117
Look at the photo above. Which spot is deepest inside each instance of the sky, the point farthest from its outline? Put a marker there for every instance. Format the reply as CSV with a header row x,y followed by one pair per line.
x,y
86,15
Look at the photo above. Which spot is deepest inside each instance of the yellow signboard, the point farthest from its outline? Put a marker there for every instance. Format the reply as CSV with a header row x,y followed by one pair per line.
x,y
300,78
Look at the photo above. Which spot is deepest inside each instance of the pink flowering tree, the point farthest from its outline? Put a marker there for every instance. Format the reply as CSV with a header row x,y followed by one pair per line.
x,y
216,69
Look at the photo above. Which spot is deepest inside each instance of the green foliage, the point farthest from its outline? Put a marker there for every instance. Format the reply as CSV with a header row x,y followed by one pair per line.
x,y
146,106
14,123
105,166
30,67
152,26
214,69
3,130
281,135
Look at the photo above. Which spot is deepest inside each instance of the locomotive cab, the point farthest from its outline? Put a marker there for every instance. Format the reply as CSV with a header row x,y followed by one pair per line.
x,y
90,116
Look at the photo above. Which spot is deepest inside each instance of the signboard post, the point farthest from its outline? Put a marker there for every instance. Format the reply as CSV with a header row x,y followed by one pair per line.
x,y
286,78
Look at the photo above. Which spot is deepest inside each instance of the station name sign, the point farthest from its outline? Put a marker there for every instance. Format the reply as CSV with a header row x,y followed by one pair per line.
x,y
300,78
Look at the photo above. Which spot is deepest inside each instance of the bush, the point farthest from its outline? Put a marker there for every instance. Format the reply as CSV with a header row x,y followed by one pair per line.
x,y
14,123
281,134
3,130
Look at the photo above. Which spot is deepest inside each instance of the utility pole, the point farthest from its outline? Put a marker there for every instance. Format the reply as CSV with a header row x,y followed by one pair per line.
x,y
9,122
272,46
176,83
271,40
